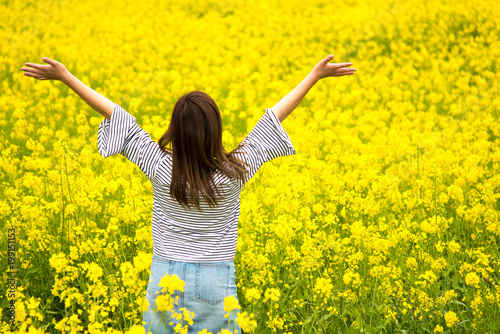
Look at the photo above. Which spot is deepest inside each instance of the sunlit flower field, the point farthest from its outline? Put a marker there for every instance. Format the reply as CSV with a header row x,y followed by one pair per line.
x,y
385,221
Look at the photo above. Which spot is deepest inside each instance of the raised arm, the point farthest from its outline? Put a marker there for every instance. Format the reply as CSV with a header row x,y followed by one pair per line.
x,y
322,70
57,71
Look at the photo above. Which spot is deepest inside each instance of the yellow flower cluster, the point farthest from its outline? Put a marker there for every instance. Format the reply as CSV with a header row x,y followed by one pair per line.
x,y
231,304
246,321
386,220
451,318
170,283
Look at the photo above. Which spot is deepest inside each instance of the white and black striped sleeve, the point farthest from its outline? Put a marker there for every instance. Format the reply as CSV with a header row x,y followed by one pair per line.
x,y
121,134
267,141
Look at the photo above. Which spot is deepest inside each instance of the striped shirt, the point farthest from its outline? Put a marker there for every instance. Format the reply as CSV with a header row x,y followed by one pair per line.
x,y
182,234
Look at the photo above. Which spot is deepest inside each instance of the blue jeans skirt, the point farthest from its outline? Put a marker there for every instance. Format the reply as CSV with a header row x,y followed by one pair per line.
x,y
206,286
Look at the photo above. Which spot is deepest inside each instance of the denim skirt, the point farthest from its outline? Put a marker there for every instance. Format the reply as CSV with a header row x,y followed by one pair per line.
x,y
206,286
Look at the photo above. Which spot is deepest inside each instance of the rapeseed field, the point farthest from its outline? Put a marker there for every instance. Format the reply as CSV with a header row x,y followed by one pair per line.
x,y
385,221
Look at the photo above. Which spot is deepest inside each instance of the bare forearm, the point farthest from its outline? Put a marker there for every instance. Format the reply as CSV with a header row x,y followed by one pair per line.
x,y
287,104
98,102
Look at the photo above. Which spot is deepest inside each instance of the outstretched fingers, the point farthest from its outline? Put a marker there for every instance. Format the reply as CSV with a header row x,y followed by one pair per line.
x,y
32,65
343,67
30,70
34,72
343,71
340,65
349,72
37,66
350,69
34,75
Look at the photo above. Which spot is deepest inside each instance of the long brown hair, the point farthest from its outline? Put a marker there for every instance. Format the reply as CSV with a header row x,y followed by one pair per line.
x,y
195,135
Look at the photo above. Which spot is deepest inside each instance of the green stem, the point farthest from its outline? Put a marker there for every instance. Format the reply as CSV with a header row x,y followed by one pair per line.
x,y
62,206
373,299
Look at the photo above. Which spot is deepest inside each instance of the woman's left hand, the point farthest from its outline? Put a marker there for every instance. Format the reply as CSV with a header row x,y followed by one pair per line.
x,y
54,71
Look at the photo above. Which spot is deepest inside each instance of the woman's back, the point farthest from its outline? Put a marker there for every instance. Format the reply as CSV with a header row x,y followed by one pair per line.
x,y
190,235
183,234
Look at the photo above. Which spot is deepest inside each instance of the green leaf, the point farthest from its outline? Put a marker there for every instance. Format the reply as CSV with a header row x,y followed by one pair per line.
x,y
5,303
32,270
326,317
370,329
457,303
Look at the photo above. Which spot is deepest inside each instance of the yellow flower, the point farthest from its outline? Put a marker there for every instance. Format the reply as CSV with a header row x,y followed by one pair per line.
x,y
252,294
273,294
453,246
323,286
225,331
438,329
136,329
170,284
351,277
142,261
411,263
230,304
187,315
164,302
451,318
428,227
450,294
318,208
94,272
472,279
246,321
95,121
204,331
58,262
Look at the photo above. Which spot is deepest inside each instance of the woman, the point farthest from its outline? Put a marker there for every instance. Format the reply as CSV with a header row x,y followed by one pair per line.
x,y
196,186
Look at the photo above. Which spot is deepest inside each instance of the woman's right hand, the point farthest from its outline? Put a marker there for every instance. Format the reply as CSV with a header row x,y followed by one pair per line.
x,y
53,71
324,69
